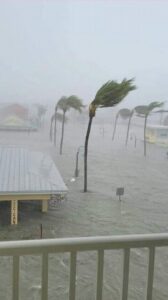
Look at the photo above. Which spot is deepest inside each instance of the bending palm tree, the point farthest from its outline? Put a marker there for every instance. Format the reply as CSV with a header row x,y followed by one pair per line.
x,y
129,124
51,127
54,117
144,111
55,124
65,104
109,95
124,113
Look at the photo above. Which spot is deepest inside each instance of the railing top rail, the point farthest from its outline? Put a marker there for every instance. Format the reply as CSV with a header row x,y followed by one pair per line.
x,y
28,247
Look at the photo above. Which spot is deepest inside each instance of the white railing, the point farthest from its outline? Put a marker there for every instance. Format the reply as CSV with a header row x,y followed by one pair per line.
x,y
75,245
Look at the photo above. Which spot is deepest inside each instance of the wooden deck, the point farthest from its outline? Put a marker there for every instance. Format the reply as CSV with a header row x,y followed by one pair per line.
x,y
27,175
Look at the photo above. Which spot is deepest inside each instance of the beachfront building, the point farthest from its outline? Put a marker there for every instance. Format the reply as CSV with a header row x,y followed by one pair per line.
x,y
157,134
15,117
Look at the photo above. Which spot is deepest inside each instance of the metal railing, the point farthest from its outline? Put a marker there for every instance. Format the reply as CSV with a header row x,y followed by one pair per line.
x,y
75,245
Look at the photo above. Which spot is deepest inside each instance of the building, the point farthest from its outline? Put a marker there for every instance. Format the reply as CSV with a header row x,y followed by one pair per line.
x,y
157,134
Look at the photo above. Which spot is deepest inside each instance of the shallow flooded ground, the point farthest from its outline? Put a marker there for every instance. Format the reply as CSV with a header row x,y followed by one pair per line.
x,y
143,209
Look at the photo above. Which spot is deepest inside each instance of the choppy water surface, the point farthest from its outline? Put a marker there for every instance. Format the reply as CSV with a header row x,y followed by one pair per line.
x,y
143,209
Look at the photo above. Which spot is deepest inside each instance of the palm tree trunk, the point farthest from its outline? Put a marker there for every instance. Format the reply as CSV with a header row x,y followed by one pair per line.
x,y
55,125
128,129
86,153
145,135
115,125
62,134
51,129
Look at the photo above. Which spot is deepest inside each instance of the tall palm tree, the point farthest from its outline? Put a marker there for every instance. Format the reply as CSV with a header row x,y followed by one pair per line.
x,y
129,124
109,95
56,116
55,124
65,104
51,126
124,113
144,111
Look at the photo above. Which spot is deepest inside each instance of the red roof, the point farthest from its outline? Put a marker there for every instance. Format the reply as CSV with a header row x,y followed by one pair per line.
x,y
15,109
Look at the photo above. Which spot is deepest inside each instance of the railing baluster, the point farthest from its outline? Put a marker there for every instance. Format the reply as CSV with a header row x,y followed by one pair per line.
x,y
100,267
150,273
15,249
15,278
44,287
72,282
125,274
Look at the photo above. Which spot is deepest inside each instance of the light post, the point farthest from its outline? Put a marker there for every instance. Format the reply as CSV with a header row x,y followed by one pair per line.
x,y
77,159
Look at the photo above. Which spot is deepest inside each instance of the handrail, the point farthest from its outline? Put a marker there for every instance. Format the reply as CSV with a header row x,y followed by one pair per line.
x,y
83,244
79,244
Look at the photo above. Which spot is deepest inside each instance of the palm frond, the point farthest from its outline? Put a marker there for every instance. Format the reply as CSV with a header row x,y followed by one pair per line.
x,y
154,105
161,111
66,103
112,92
144,110
124,113
63,104
59,117
141,110
75,103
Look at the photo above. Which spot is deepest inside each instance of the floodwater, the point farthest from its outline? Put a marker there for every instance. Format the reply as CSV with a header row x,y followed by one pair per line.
x,y
142,209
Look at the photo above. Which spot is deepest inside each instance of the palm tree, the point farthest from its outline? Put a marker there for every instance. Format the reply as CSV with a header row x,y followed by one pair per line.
x,y
65,104
144,111
109,95
124,113
129,124
55,124
51,126
54,117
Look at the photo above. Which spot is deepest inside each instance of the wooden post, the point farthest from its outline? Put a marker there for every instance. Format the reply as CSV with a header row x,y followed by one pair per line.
x,y
44,205
41,231
14,212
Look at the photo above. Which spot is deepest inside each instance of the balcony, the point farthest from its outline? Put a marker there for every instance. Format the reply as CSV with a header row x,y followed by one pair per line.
x,y
74,246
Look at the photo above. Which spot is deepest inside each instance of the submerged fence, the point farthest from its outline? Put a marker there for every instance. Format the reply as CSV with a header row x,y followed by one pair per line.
x,y
73,246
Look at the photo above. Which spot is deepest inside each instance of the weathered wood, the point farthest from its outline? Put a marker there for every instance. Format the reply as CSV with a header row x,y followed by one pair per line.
x,y
44,205
25,197
14,212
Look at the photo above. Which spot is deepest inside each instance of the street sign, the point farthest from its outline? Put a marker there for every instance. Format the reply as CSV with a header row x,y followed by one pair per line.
x,y
120,192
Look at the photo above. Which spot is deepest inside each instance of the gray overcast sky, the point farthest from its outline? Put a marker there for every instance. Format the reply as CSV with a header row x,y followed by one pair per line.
x,y
54,48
